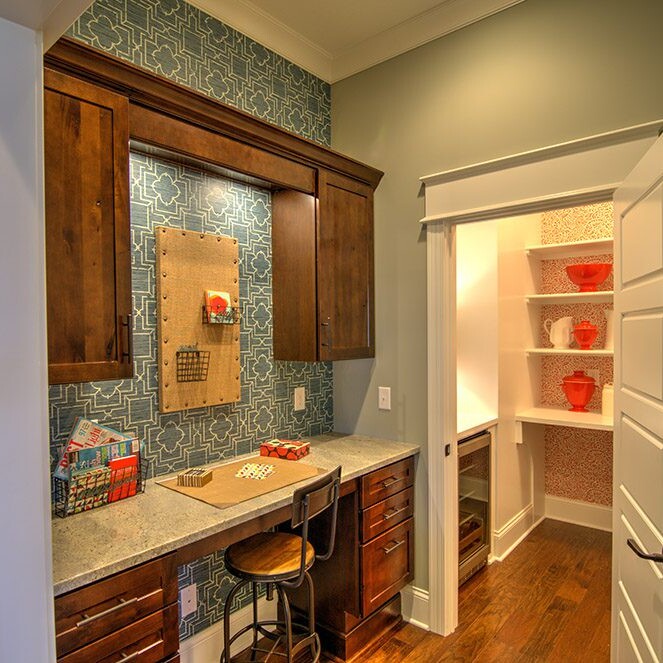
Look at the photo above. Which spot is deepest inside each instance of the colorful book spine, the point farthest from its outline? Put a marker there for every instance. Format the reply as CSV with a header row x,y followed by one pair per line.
x,y
85,434
124,477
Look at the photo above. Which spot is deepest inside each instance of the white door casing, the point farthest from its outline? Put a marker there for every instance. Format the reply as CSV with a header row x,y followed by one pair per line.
x,y
565,175
637,584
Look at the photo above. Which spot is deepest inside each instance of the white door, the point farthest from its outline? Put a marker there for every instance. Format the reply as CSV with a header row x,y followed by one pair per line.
x,y
637,585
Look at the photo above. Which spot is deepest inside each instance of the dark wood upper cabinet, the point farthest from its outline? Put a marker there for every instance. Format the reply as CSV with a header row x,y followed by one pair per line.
x,y
345,268
322,212
88,260
322,280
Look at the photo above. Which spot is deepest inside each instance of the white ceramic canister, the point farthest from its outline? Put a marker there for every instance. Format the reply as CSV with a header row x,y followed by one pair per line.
x,y
608,400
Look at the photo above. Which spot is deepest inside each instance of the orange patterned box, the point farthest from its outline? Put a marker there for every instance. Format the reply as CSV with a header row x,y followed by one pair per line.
x,y
286,449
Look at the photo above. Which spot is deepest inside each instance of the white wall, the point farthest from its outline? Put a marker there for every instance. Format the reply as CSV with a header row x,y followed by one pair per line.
x,y
476,323
26,599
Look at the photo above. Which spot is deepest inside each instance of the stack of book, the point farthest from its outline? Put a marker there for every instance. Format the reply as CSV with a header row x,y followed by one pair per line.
x,y
98,465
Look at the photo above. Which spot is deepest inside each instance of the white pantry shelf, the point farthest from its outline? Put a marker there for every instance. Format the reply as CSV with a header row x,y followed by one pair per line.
x,y
599,297
570,249
598,352
553,416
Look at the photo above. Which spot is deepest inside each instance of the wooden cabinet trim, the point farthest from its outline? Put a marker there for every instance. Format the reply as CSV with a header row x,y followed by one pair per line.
x,y
157,93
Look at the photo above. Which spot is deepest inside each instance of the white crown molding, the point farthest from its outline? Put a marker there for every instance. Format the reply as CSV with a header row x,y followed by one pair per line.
x,y
271,33
250,20
447,17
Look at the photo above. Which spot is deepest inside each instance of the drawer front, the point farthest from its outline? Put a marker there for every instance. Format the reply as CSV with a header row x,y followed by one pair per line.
x,y
387,481
383,515
149,640
87,614
387,565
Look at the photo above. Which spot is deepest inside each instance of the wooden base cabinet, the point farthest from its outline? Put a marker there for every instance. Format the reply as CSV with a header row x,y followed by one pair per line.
x,y
130,616
357,590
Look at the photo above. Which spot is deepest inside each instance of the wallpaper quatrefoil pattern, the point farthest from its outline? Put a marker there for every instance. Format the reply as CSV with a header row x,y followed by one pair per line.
x,y
176,40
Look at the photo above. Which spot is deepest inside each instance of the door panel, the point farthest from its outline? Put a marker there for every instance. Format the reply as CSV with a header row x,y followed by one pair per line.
x,y
637,626
642,345
644,222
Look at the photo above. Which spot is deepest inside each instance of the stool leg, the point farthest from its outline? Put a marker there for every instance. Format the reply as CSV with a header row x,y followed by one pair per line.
x,y
225,653
254,588
287,617
315,645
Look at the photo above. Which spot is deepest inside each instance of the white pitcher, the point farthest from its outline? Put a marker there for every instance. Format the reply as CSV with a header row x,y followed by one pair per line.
x,y
609,330
559,332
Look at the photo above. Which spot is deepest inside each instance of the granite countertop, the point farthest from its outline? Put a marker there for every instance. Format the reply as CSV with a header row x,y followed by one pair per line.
x,y
96,544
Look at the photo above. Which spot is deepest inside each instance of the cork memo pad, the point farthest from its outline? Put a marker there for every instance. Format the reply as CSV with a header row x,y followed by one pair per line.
x,y
225,489
188,264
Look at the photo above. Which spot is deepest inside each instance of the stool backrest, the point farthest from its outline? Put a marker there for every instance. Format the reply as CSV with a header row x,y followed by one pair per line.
x,y
313,499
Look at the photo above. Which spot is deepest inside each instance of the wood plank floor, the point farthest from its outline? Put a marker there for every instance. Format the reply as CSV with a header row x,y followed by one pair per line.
x,y
548,601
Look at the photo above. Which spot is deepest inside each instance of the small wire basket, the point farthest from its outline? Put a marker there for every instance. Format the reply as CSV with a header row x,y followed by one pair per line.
x,y
192,365
98,487
229,317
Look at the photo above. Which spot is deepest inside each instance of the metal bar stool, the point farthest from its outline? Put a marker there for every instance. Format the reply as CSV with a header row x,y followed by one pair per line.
x,y
282,560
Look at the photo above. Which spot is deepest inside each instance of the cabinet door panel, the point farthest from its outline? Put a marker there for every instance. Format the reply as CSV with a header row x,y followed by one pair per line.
x,y
387,565
87,231
345,268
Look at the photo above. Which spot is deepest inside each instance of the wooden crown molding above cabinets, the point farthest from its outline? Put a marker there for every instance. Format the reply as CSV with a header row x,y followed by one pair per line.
x,y
156,93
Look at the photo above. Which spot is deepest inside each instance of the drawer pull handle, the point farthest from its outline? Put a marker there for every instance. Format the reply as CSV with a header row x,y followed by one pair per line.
x,y
99,615
391,481
123,603
393,546
388,515
140,651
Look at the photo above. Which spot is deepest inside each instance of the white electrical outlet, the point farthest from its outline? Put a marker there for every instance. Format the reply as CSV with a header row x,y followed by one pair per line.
x,y
384,398
593,373
300,398
188,600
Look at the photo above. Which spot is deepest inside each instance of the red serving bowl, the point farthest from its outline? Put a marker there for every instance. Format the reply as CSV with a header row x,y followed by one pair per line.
x,y
589,275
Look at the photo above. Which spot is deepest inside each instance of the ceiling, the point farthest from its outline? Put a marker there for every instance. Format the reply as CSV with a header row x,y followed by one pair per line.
x,y
336,39
333,40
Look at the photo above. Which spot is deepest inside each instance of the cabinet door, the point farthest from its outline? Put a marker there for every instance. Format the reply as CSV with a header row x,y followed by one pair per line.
x,y
345,268
88,260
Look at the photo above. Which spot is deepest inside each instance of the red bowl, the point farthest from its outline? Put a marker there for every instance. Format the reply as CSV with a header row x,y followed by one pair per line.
x,y
589,275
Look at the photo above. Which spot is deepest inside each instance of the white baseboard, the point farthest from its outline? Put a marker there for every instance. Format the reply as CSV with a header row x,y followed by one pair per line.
x,y
513,532
205,646
587,514
415,606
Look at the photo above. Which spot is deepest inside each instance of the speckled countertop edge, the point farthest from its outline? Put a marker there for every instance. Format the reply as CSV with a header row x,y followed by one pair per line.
x,y
96,544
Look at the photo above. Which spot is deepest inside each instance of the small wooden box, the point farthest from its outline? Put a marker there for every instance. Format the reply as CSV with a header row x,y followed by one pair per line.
x,y
286,449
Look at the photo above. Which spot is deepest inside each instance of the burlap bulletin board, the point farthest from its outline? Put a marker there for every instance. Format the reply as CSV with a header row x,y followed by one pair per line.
x,y
188,264
225,489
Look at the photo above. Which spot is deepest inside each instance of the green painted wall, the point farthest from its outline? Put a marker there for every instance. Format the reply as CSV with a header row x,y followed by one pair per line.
x,y
537,74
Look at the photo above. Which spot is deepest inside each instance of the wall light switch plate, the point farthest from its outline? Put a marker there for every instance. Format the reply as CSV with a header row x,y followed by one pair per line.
x,y
384,398
300,398
188,600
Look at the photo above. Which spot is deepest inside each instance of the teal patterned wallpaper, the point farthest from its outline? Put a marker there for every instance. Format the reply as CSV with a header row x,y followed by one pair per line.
x,y
176,40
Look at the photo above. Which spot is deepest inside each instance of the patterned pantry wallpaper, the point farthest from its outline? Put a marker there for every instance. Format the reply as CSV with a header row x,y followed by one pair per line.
x,y
578,463
176,40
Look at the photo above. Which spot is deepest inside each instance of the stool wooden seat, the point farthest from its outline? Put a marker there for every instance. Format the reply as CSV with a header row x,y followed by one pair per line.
x,y
281,560
273,554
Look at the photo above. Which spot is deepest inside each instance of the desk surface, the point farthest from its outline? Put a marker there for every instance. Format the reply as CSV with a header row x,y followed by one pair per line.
x,y
96,544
